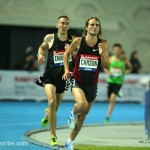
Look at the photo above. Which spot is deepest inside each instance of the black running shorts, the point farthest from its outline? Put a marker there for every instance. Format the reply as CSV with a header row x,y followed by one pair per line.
x,y
46,78
90,91
113,88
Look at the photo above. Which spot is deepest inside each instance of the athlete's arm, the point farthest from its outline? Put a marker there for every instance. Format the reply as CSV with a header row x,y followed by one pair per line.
x,y
129,66
73,37
76,50
107,71
74,45
43,49
67,45
103,50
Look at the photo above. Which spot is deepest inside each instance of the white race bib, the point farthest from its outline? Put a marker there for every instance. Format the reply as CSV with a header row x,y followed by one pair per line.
x,y
59,57
116,72
88,62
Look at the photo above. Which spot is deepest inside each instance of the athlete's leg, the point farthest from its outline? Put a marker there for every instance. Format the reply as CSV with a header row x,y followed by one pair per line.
x,y
59,98
50,91
113,90
80,106
80,119
44,120
111,104
112,96
81,102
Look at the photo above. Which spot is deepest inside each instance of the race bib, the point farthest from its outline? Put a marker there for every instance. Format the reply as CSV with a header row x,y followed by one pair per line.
x,y
116,72
59,57
88,62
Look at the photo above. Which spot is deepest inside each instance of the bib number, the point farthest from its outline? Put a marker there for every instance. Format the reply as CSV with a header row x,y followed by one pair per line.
x,y
59,57
88,62
116,72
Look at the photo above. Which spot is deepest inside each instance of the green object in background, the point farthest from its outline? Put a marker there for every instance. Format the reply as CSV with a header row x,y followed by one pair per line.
x,y
106,120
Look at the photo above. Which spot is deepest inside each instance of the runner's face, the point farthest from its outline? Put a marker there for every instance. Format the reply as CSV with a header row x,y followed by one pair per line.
x,y
117,51
62,25
93,27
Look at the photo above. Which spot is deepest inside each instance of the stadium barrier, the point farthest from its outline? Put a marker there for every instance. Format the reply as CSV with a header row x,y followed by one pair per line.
x,y
20,85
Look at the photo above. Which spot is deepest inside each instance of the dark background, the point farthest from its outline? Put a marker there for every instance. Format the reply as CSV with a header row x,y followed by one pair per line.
x,y
14,40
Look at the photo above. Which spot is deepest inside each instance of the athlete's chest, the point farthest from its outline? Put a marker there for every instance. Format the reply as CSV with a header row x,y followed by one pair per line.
x,y
88,59
117,63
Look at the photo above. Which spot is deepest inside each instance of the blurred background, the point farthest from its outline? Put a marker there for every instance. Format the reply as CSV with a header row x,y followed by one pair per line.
x,y
23,25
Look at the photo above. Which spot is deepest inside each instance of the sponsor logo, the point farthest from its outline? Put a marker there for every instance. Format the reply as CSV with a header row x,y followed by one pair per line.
x,y
95,50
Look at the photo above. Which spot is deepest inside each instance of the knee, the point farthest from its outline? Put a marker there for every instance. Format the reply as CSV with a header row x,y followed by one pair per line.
x,y
52,103
82,106
82,116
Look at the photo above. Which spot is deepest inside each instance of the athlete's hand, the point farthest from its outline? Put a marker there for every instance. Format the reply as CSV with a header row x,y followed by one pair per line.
x,y
41,59
66,75
100,48
66,46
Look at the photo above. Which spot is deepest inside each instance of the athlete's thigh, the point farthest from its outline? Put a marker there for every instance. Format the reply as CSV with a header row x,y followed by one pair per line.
x,y
78,94
50,91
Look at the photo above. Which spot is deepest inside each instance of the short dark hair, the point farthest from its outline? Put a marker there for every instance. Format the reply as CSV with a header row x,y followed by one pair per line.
x,y
117,45
63,17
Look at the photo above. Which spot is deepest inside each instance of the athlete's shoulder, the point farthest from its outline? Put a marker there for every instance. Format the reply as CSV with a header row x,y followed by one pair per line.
x,y
48,37
77,39
72,36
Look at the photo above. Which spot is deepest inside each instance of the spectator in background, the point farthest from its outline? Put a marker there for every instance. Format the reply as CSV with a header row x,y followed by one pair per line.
x,y
29,63
136,65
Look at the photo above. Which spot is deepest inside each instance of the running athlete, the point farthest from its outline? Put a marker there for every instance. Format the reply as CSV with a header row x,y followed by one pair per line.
x,y
53,48
92,51
119,66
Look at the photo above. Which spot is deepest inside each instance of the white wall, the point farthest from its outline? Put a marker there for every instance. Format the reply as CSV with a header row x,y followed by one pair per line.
x,y
122,21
